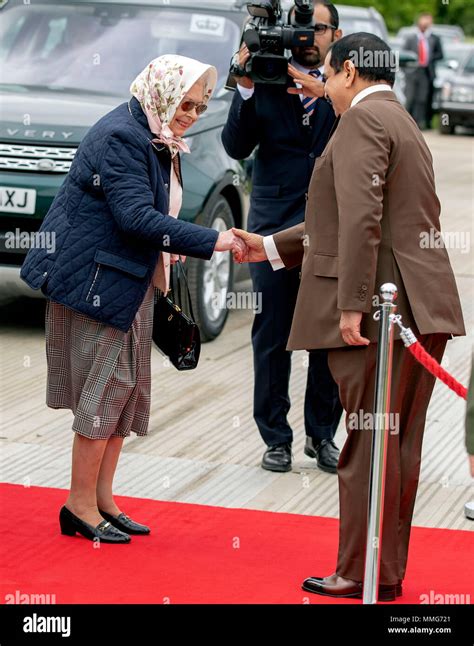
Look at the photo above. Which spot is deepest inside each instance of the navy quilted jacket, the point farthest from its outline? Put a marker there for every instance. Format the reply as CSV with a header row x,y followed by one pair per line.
x,y
110,224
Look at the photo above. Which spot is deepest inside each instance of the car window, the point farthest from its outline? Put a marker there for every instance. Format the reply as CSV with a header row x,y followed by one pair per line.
x,y
351,26
469,66
103,47
452,54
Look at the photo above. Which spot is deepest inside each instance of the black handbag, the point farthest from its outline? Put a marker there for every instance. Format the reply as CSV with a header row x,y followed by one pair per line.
x,y
175,334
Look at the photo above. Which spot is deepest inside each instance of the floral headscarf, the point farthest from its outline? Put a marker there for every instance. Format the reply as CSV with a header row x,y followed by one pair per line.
x,y
161,87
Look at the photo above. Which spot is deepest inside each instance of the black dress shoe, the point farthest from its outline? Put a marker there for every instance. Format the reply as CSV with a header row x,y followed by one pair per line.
x,y
398,587
326,454
277,458
125,523
338,587
105,531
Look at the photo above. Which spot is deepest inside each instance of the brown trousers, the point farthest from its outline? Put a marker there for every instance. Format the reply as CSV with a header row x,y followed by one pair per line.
x,y
353,370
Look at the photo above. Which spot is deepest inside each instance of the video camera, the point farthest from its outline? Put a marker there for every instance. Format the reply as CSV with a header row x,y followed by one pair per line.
x,y
268,34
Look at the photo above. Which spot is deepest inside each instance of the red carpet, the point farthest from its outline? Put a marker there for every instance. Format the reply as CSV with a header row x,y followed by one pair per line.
x,y
199,554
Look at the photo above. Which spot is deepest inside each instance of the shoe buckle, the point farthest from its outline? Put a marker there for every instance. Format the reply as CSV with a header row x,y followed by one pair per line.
x,y
104,527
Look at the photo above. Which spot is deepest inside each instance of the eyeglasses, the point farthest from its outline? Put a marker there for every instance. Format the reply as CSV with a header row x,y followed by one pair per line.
x,y
187,106
321,27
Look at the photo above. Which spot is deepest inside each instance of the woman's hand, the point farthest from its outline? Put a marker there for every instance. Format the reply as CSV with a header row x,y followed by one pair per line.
x,y
253,247
310,86
174,258
228,241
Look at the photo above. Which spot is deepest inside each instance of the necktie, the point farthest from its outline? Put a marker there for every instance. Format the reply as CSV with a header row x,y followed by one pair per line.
x,y
422,52
309,102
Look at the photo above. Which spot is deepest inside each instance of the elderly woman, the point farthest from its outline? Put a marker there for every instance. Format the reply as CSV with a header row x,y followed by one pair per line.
x,y
116,234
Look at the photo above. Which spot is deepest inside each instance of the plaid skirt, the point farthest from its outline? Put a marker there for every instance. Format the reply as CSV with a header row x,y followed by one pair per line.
x,y
100,373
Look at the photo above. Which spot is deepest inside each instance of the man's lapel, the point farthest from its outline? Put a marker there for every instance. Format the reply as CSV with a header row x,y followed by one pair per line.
x,y
334,126
323,113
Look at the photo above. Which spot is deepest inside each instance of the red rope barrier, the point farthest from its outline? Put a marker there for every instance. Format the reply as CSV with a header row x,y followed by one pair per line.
x,y
433,366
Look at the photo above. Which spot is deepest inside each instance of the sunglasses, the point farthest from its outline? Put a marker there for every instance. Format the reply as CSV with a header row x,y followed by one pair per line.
x,y
321,27
187,106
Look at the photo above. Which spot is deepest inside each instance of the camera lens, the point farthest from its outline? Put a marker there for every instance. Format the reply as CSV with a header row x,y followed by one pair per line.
x,y
270,69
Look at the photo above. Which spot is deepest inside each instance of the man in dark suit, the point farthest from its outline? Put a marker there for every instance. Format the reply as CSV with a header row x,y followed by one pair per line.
x,y
290,132
420,80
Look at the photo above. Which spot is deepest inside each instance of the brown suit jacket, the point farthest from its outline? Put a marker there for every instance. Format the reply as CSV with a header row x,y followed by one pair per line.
x,y
371,201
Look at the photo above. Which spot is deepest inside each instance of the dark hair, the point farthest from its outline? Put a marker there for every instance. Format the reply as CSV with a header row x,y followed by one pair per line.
x,y
332,10
358,48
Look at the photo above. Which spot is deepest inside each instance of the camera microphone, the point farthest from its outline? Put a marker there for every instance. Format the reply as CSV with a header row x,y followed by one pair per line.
x,y
269,34
252,40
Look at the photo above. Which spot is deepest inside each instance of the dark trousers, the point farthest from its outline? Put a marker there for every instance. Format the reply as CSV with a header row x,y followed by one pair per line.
x,y
412,385
419,95
272,364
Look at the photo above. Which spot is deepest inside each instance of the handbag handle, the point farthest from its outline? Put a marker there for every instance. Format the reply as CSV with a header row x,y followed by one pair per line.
x,y
179,264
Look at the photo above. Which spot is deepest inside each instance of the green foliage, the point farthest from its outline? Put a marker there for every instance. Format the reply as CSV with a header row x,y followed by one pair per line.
x,y
398,13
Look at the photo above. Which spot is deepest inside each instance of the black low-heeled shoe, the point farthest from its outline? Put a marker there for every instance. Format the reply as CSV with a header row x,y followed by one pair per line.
x,y
105,531
125,523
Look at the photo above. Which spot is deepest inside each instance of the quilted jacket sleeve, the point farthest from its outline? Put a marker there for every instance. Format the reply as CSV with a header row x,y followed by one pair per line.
x,y
123,171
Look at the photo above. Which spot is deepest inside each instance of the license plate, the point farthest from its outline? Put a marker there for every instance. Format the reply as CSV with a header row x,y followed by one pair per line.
x,y
17,200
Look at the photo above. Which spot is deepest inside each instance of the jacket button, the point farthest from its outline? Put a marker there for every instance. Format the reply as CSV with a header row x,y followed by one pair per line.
x,y
312,155
166,185
45,273
306,196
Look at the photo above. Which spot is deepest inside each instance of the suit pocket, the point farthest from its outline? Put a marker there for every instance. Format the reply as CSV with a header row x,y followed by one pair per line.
x,y
324,265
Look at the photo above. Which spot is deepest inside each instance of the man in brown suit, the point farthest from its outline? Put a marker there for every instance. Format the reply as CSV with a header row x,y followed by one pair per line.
x,y
371,205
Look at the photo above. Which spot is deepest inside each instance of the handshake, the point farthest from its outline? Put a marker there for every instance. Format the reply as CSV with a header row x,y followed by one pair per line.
x,y
249,247
245,247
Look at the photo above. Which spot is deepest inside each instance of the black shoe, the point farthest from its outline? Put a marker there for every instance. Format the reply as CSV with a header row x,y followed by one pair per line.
x,y
338,587
105,532
125,523
277,458
308,584
326,454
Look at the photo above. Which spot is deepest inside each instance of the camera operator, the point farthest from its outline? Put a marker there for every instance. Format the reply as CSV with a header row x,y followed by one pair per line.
x,y
291,130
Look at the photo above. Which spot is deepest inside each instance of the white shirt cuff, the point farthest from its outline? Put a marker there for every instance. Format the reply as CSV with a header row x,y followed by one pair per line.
x,y
272,253
245,92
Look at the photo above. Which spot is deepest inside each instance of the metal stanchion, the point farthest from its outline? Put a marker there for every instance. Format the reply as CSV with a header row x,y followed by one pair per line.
x,y
388,294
